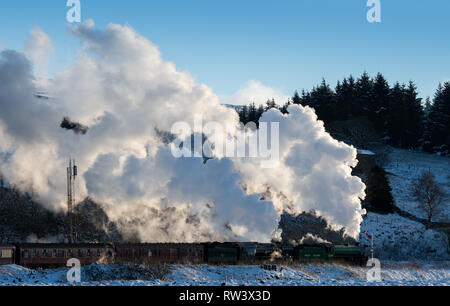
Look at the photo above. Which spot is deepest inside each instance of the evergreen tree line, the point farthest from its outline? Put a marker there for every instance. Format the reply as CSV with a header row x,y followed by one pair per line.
x,y
396,112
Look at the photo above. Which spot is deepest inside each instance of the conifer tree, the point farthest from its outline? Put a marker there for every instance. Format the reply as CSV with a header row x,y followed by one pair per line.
x,y
306,98
252,115
379,192
379,103
296,98
270,104
243,114
284,108
322,100
405,117
260,111
395,118
414,117
364,89
437,126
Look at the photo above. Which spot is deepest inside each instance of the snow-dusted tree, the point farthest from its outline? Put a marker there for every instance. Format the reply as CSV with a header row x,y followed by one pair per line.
x,y
430,195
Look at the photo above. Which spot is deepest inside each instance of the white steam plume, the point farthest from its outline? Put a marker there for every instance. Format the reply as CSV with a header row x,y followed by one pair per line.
x,y
39,49
313,173
124,92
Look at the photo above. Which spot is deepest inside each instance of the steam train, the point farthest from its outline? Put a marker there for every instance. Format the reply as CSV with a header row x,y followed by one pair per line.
x,y
229,253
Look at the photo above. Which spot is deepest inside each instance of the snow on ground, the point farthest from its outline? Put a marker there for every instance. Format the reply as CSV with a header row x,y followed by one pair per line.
x,y
399,238
395,238
404,166
396,274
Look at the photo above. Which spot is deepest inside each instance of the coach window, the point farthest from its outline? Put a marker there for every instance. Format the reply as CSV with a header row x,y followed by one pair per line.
x,y
88,253
150,253
55,253
1,254
99,253
69,253
80,253
26,254
35,253
44,253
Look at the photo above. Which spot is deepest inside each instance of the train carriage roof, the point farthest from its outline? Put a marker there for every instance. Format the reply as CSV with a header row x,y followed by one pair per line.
x,y
157,245
63,245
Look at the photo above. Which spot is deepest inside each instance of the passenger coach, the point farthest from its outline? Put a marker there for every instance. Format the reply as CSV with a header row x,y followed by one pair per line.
x,y
7,253
160,253
57,255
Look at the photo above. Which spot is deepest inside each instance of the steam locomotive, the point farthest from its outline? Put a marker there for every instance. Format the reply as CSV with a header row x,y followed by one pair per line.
x,y
215,253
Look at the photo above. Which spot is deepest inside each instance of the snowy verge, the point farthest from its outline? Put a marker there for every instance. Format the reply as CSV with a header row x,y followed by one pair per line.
x,y
393,273
398,238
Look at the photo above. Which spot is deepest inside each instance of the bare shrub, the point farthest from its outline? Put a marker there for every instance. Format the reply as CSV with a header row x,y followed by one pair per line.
x,y
430,195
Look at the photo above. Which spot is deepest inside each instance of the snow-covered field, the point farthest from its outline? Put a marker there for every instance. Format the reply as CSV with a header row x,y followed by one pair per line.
x,y
404,166
393,274
399,238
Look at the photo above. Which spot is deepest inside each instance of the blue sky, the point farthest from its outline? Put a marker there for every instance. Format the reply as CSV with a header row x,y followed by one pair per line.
x,y
284,44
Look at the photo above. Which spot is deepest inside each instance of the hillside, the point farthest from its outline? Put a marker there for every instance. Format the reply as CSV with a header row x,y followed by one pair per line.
x,y
398,236
403,166
24,220
404,238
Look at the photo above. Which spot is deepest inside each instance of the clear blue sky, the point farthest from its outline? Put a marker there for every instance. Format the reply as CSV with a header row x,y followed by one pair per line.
x,y
285,44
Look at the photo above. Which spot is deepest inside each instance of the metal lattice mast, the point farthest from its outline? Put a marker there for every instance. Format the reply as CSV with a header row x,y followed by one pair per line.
x,y
71,175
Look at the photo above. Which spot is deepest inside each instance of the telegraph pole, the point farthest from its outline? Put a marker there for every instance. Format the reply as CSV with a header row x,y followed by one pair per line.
x,y
371,242
371,245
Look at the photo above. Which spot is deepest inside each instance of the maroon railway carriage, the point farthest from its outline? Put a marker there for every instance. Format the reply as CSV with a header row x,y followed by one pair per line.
x,y
160,253
57,255
7,253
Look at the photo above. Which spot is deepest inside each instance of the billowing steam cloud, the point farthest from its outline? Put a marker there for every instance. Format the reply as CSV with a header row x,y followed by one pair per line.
x,y
314,171
39,49
121,88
